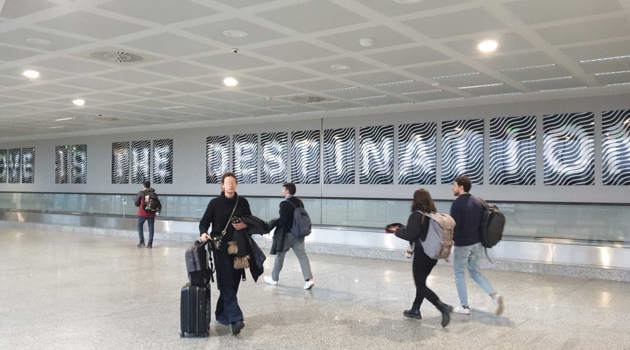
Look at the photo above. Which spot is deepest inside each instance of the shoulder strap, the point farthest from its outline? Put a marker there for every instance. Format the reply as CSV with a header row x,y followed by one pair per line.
x,y
224,232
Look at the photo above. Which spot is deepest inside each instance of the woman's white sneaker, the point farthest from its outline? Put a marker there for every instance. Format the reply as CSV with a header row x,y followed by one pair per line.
x,y
309,284
270,281
461,310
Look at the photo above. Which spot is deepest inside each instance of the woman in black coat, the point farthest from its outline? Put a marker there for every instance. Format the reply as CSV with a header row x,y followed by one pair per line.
x,y
221,213
418,224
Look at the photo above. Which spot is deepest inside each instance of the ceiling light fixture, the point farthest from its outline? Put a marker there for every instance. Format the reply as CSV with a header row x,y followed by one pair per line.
x,y
230,82
63,119
79,102
234,33
366,42
31,74
488,46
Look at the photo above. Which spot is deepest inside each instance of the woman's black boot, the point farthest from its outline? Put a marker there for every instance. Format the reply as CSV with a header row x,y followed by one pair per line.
x,y
413,313
446,310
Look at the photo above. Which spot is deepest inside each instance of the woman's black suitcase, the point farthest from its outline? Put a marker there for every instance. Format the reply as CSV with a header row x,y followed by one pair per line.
x,y
195,311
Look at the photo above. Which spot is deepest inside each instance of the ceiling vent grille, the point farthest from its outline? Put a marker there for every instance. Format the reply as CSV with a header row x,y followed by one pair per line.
x,y
307,99
117,56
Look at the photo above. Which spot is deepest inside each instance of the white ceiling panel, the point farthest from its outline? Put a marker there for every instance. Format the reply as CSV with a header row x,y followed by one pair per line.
x,y
337,105
467,80
57,89
381,37
177,45
159,11
489,90
599,51
539,72
231,61
458,23
92,83
297,108
554,84
73,65
516,61
133,76
538,11
408,56
442,70
393,8
617,65
312,16
91,25
406,86
380,100
271,90
384,77
25,94
342,65
9,100
587,31
619,77
20,8
352,92
294,51
431,95
320,85
251,33
9,53
243,3
183,87
179,69
144,92
40,40
281,74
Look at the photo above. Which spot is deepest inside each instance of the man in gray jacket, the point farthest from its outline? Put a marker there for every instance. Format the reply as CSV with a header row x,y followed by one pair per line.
x,y
283,239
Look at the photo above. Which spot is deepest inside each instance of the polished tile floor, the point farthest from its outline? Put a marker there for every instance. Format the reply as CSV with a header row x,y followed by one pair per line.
x,y
73,291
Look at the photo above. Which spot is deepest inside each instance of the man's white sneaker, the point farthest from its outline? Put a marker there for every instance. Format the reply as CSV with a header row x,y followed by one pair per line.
x,y
498,302
270,281
461,310
309,284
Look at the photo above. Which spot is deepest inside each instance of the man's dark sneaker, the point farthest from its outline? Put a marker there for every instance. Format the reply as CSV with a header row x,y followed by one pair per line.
x,y
140,245
150,245
237,326
411,313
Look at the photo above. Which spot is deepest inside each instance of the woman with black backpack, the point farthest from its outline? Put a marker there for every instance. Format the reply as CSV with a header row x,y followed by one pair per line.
x,y
418,226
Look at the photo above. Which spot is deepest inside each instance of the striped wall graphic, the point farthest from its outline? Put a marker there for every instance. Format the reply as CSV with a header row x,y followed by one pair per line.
x,y
246,158
162,161
273,157
376,155
28,165
417,158
568,149
120,162
462,150
513,151
3,166
14,157
339,159
140,161
305,157
616,147
78,164
217,158
61,164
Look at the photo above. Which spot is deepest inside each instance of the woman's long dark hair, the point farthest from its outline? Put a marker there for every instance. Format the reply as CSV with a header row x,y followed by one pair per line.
x,y
422,201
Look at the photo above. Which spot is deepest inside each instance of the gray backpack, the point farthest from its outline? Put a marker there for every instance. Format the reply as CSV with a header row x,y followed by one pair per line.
x,y
301,222
439,239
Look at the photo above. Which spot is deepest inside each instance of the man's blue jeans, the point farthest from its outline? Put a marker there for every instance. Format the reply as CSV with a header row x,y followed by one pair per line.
x,y
151,223
467,257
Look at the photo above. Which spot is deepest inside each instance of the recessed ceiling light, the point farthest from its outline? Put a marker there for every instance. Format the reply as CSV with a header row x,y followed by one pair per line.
x,y
38,41
63,119
366,42
339,67
31,74
488,46
78,102
234,33
230,82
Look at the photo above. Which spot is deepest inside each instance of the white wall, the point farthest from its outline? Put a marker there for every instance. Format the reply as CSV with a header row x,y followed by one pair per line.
x,y
189,156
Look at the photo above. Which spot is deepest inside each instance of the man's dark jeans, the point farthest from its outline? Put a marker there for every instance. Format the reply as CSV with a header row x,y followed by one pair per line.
x,y
151,223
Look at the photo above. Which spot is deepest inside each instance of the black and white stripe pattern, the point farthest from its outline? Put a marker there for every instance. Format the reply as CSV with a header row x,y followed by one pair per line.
x,y
305,157
15,165
513,151
217,158
339,156
462,150
78,166
61,164
616,147
569,149
28,165
3,166
246,158
140,161
376,155
163,161
120,163
417,159
273,158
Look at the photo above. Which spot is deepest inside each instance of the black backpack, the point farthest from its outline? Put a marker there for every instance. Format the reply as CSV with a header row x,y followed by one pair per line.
x,y
152,202
197,259
301,226
492,225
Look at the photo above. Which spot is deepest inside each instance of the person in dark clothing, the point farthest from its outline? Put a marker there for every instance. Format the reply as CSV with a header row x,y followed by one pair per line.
x,y
422,264
283,239
222,215
467,211
145,215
